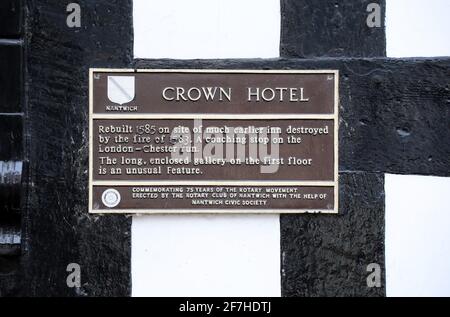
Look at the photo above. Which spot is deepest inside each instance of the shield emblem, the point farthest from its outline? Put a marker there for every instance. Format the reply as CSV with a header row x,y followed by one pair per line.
x,y
120,89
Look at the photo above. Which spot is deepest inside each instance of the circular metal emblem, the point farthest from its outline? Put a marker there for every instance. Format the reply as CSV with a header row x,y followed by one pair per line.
x,y
111,198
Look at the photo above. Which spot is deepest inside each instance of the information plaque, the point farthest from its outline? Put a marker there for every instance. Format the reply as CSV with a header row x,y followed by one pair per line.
x,y
213,141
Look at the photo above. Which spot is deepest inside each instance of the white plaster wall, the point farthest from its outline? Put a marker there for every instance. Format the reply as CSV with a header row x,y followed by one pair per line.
x,y
190,29
200,255
417,235
416,28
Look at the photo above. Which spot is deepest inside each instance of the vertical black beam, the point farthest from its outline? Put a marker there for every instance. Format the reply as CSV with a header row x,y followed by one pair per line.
x,y
328,255
324,28
58,228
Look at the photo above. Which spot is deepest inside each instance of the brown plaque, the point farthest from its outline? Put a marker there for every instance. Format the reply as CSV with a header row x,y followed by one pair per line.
x,y
213,141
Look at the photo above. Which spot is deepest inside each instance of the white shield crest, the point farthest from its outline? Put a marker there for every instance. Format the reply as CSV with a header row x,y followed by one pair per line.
x,y
121,89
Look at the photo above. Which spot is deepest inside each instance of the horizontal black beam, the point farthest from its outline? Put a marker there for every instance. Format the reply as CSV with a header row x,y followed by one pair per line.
x,y
394,113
